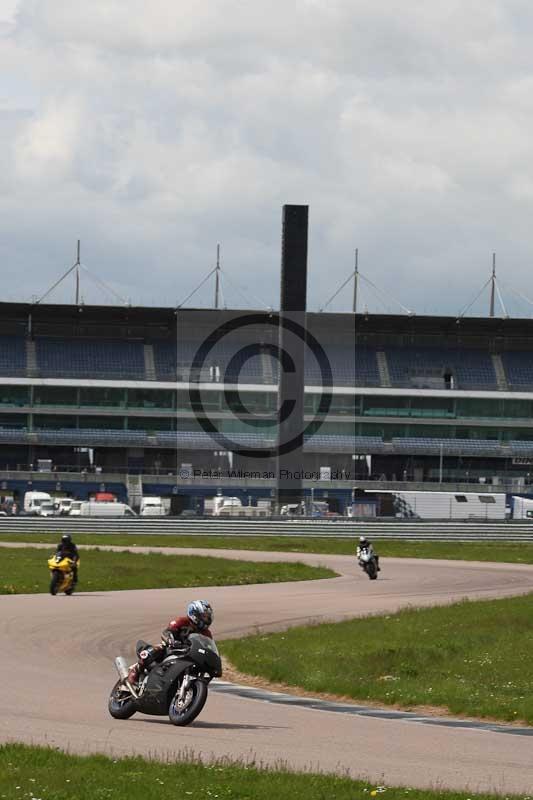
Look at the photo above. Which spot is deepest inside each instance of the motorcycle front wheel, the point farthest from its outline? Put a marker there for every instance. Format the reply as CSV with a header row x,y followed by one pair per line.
x,y
121,705
372,570
55,582
183,713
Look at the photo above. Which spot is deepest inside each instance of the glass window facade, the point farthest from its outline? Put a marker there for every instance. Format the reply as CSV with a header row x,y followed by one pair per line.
x,y
153,398
54,421
103,423
14,395
151,424
97,397
384,415
55,396
13,421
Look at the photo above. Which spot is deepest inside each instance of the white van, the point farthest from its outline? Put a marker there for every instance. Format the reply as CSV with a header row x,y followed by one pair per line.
x,y
226,505
64,504
152,507
522,507
92,509
48,509
33,501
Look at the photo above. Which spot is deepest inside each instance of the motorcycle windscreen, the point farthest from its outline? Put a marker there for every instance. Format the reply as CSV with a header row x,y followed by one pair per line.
x,y
203,642
204,653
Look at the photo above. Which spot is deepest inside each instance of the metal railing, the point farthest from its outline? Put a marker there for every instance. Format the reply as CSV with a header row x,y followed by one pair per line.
x,y
458,531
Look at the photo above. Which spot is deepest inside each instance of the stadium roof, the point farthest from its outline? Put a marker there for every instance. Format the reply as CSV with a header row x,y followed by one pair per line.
x,y
106,320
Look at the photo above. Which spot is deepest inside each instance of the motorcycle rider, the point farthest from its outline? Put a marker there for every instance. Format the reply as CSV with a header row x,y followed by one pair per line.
x,y
366,544
199,617
67,549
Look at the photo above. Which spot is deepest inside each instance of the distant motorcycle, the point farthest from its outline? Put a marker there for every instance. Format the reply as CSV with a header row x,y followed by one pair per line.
x,y
176,686
62,574
367,562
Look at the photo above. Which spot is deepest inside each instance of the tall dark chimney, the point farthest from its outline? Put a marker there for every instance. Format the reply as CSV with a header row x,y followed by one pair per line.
x,y
293,303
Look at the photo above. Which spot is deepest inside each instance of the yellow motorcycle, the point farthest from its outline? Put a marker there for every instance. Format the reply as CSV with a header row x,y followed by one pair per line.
x,y
62,574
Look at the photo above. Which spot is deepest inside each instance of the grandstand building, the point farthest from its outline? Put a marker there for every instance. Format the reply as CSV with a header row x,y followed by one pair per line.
x,y
95,398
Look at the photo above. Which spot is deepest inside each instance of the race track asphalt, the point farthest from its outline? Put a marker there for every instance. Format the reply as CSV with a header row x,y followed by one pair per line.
x,y
57,669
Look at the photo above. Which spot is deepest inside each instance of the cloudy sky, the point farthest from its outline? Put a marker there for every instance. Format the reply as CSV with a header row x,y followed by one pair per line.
x,y
152,131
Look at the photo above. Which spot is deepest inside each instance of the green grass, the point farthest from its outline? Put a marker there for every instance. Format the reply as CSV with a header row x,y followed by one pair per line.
x,y
25,571
467,551
41,773
473,658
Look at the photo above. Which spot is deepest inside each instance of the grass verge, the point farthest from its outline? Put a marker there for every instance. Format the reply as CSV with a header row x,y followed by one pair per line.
x,y
464,551
471,658
42,773
25,571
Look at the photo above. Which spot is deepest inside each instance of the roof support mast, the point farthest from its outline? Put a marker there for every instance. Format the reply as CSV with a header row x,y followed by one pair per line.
x,y
77,265
217,278
355,280
356,276
492,285
76,269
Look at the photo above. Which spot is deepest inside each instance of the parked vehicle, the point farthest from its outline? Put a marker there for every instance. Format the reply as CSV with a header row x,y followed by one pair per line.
x,y
177,686
91,509
105,497
64,504
62,574
292,510
223,506
33,501
152,507
438,505
522,507
75,508
48,509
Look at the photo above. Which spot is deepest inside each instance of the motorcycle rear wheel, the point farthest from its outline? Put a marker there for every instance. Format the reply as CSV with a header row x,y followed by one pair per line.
x,y
121,705
189,712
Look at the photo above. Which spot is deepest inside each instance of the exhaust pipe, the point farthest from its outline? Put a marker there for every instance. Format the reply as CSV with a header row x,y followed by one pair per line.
x,y
123,670
122,667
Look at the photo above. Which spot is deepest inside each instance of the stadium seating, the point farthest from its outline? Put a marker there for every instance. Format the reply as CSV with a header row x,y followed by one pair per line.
x,y
175,360
12,355
188,440
350,366
90,358
409,366
168,364
451,447
343,444
198,440
424,367
521,448
518,367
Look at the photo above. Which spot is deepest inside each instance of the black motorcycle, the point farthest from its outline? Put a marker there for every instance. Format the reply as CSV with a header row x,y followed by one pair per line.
x,y
176,686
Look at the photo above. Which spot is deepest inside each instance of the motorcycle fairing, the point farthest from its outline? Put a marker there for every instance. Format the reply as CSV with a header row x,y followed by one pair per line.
x,y
161,686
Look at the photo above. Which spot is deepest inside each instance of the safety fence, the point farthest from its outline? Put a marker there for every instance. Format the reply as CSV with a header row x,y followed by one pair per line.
x,y
477,531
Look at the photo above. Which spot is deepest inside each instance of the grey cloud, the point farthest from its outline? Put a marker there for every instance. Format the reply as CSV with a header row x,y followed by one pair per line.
x,y
155,134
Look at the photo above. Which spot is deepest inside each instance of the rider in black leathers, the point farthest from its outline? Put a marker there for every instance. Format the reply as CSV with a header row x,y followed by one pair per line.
x,y
67,549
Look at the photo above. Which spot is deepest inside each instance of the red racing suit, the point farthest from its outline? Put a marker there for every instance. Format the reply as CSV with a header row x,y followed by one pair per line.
x,y
181,628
